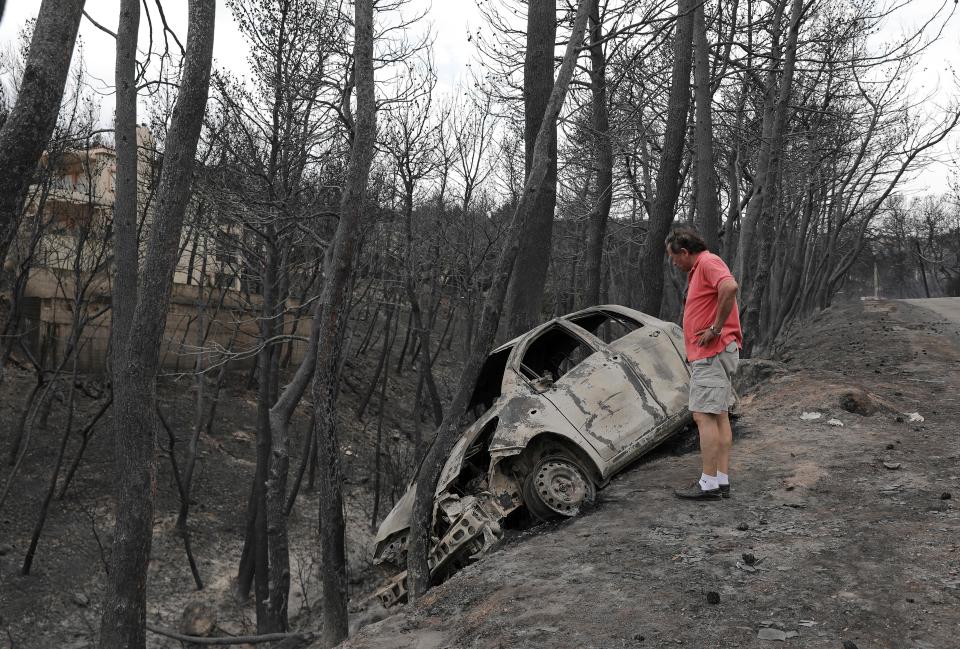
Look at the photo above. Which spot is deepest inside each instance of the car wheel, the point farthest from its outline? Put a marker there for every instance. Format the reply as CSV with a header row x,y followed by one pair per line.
x,y
557,487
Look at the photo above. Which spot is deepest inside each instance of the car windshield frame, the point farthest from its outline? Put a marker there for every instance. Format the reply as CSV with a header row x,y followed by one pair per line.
x,y
612,315
515,361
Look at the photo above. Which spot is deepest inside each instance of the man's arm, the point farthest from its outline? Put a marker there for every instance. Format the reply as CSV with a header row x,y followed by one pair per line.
x,y
726,297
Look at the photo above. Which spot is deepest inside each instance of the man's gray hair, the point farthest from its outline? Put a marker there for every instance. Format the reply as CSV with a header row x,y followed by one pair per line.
x,y
685,238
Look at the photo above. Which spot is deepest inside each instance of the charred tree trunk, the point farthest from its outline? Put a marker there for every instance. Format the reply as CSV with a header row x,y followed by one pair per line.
x,y
124,616
421,523
731,232
417,421
525,295
85,435
604,160
268,619
403,348
769,198
923,268
25,133
751,216
378,447
247,567
381,362
184,534
139,312
308,452
668,186
58,464
423,326
332,306
21,424
214,398
185,484
708,205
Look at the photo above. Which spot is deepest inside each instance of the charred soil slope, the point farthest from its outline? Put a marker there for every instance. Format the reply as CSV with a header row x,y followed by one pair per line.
x,y
58,606
834,533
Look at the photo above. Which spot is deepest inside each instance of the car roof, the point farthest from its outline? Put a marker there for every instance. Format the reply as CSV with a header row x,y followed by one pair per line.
x,y
616,308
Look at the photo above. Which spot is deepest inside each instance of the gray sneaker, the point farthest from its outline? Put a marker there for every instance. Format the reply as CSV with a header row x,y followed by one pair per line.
x,y
694,492
725,491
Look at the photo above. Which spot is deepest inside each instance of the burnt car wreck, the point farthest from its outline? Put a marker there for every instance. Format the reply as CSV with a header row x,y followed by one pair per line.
x,y
558,411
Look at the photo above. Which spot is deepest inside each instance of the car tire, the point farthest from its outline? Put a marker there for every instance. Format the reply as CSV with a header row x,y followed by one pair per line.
x,y
558,486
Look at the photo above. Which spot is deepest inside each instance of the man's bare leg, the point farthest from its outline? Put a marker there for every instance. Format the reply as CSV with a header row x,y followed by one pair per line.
x,y
710,443
707,487
725,442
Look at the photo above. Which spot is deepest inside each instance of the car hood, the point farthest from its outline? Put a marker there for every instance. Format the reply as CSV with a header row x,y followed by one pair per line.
x,y
399,517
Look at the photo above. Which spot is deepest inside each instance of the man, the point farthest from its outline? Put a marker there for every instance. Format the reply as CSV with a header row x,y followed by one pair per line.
x,y
712,337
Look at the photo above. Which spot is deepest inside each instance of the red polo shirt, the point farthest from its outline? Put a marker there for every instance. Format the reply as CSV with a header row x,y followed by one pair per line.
x,y
700,310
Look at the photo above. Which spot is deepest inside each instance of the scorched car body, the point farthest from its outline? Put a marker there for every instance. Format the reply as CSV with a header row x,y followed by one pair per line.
x,y
557,412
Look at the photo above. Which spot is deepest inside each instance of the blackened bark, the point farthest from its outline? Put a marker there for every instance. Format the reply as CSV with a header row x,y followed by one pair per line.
x,y
381,361
55,474
218,385
27,129
184,495
751,216
421,324
141,323
737,203
421,522
668,185
403,348
286,404
186,484
268,619
604,160
708,205
769,191
305,455
314,461
124,616
417,420
530,275
246,569
85,435
21,424
794,272
923,268
333,304
436,406
378,447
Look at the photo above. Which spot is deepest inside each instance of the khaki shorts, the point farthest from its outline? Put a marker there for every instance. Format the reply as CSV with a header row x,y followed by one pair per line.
x,y
711,389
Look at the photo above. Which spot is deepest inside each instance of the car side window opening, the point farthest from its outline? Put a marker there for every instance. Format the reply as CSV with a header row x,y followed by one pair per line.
x,y
489,383
552,354
607,326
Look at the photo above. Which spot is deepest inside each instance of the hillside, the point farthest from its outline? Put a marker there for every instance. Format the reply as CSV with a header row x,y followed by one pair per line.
x,y
833,534
843,547
58,604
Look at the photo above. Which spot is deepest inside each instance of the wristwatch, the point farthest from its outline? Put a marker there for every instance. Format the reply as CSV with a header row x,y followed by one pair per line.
x,y
714,330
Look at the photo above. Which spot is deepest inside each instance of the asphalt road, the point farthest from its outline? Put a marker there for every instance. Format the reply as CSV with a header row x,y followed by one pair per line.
x,y
948,307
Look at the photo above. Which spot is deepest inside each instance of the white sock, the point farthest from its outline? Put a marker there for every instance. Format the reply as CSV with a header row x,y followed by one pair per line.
x,y
722,478
708,482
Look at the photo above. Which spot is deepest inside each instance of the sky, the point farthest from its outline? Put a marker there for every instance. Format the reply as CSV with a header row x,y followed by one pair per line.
x,y
451,20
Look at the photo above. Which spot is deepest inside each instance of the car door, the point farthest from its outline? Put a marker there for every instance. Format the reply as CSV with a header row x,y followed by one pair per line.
x,y
655,359
591,387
